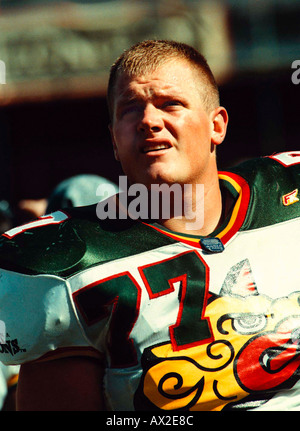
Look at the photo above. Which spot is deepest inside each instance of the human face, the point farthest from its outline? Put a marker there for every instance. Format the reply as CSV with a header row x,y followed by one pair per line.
x,y
161,131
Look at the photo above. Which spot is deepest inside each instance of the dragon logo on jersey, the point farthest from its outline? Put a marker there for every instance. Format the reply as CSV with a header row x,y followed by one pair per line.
x,y
256,349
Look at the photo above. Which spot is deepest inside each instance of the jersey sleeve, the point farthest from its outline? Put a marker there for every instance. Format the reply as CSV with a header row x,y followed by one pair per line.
x,y
38,319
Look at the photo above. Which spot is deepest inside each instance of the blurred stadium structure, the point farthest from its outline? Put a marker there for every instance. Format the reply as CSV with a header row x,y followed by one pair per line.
x,y
65,49
53,118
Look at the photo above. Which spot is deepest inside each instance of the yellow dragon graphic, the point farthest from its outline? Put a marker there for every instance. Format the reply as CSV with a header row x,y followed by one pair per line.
x,y
255,350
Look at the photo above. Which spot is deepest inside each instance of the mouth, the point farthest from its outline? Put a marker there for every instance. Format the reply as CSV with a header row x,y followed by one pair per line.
x,y
153,147
277,357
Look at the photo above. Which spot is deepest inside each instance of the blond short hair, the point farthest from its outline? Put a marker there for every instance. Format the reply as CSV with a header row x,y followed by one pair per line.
x,y
146,56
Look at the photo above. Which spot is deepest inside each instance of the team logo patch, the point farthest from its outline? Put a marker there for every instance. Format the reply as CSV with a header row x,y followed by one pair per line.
x,y
290,198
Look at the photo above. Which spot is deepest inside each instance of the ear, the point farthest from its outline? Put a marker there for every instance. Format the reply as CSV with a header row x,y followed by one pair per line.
x,y
113,142
219,122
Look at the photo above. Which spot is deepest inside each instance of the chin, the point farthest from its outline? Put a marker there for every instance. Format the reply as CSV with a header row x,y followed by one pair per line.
x,y
162,177
153,176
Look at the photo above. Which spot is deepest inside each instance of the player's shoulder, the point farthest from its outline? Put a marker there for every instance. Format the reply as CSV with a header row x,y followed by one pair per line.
x,y
41,245
287,159
285,166
273,182
35,260
68,241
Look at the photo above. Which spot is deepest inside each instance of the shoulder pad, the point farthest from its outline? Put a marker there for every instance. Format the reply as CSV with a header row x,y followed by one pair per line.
x,y
66,242
46,245
271,180
287,159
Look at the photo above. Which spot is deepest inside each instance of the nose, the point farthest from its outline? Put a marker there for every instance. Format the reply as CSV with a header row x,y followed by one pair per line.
x,y
151,120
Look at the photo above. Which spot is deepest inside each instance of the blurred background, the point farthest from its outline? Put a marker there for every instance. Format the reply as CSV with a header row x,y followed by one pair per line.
x,y
57,54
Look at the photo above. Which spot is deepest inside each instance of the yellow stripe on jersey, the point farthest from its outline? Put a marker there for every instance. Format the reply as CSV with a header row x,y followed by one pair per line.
x,y
237,217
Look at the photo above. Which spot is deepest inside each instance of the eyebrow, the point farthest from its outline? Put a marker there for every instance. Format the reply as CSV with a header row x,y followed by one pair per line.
x,y
129,96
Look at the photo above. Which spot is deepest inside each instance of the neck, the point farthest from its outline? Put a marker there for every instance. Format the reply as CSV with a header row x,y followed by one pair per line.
x,y
202,211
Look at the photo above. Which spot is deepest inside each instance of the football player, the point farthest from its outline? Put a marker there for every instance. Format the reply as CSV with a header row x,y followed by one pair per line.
x,y
147,314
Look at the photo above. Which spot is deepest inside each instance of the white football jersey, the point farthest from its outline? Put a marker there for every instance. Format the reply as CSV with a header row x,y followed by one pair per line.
x,y
184,322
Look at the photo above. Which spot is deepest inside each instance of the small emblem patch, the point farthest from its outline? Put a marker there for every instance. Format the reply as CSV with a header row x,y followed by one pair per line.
x,y
290,198
212,245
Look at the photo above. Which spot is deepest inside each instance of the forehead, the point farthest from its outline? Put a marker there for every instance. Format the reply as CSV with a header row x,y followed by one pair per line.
x,y
170,77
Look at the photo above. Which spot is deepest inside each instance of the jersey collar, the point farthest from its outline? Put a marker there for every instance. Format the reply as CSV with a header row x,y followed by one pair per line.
x,y
240,190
